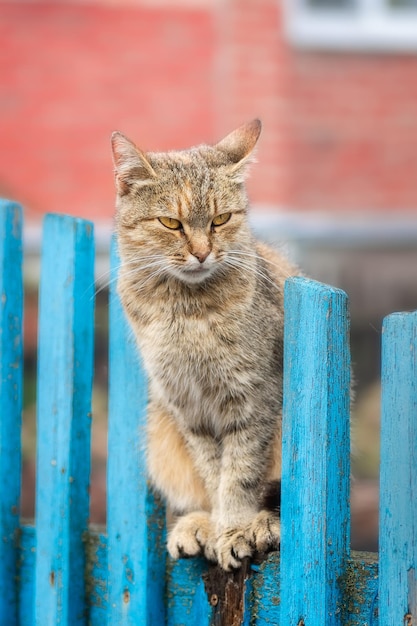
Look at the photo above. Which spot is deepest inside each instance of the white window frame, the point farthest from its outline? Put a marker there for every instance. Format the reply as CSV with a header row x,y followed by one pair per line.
x,y
372,25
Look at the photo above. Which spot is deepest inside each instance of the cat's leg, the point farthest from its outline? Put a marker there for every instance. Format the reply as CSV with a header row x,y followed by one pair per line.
x,y
241,527
265,530
195,532
170,466
172,471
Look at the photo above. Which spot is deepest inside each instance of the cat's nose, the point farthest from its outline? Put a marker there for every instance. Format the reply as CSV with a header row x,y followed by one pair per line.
x,y
201,255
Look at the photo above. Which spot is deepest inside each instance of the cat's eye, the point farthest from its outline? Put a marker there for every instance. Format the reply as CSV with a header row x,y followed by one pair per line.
x,y
221,219
170,222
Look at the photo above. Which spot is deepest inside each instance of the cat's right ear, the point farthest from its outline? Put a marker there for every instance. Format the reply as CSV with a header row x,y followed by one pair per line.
x,y
130,164
239,146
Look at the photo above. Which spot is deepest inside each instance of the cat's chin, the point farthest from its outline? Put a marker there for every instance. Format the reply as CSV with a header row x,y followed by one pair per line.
x,y
194,276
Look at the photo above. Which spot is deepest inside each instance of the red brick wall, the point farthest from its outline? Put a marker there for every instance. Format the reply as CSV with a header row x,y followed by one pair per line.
x,y
354,132
252,67
340,130
72,73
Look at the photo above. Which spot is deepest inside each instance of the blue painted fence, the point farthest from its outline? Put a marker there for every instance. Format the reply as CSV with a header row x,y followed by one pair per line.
x,y
61,572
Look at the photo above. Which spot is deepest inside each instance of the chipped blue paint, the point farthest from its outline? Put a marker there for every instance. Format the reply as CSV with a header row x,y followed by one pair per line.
x,y
398,499
316,449
135,526
186,597
11,367
65,374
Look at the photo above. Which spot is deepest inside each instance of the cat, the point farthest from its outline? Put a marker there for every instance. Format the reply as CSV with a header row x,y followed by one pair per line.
x,y
205,301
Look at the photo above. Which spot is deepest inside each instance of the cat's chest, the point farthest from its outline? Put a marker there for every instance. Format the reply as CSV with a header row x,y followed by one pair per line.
x,y
187,340
195,364
196,353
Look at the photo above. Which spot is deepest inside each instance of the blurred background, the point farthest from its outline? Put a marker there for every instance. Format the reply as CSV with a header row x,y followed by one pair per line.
x,y
335,84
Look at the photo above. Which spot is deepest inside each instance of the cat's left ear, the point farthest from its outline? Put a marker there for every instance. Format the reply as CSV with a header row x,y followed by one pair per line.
x,y
130,164
239,146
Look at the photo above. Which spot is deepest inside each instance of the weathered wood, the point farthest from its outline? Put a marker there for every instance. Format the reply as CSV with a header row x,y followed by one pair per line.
x,y
96,577
26,575
11,368
315,464
65,372
187,601
265,596
226,593
135,518
358,589
398,493
186,597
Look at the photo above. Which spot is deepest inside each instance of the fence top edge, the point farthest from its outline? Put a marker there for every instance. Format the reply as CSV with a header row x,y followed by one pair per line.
x,y
400,317
69,220
301,283
6,204
11,213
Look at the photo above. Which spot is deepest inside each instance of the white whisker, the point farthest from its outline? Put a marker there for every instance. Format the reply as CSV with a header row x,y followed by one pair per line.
x,y
131,267
240,264
139,286
240,253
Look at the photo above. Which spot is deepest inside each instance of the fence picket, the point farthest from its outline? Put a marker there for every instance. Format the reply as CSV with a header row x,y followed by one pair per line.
x,y
398,499
65,370
186,598
26,573
135,519
316,469
11,353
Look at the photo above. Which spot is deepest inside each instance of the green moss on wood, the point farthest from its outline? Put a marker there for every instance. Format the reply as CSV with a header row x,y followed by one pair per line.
x,y
355,584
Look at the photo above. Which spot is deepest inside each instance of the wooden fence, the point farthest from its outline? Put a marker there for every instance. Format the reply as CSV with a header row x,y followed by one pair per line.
x,y
60,571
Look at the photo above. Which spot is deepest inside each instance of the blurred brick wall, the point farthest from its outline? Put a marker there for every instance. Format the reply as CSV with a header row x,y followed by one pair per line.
x,y
354,131
252,71
340,130
71,73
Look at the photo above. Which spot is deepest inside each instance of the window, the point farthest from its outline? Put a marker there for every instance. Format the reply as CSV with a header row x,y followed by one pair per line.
x,y
352,24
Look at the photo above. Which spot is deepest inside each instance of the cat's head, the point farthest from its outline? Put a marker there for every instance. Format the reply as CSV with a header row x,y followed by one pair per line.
x,y
184,213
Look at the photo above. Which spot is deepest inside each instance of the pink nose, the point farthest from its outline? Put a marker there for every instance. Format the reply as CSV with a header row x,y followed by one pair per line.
x,y
201,255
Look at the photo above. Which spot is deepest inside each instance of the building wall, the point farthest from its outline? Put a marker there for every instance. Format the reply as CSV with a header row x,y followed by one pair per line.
x,y
253,74
340,130
72,73
354,132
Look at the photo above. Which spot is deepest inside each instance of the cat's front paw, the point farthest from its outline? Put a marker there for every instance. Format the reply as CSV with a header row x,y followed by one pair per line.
x,y
232,546
264,533
191,535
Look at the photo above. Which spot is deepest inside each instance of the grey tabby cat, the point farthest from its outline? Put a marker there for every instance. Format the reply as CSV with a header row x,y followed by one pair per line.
x,y
205,301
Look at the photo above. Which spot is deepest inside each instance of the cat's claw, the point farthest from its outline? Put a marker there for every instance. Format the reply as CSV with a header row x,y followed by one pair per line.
x,y
190,536
264,533
232,546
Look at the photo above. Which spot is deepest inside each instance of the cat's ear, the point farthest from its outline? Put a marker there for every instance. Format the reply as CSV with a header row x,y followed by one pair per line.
x,y
239,146
130,164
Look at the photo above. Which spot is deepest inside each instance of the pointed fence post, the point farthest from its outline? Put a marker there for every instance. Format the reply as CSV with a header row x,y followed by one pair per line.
x,y
135,518
316,448
65,372
398,479
11,368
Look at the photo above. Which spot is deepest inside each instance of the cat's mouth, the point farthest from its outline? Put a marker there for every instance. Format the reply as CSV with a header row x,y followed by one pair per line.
x,y
194,271
194,274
